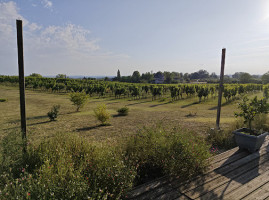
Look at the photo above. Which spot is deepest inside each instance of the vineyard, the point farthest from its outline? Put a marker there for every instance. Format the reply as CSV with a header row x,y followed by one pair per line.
x,y
135,91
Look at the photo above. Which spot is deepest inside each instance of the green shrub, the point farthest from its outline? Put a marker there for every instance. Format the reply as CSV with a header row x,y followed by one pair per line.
x,y
78,99
156,152
3,100
123,111
221,139
102,114
53,114
65,167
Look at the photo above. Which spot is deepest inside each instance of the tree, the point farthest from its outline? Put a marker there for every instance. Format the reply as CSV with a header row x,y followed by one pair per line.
x,y
61,76
36,75
118,75
265,78
203,74
148,77
168,77
78,99
245,78
106,79
194,75
237,75
213,75
186,77
136,77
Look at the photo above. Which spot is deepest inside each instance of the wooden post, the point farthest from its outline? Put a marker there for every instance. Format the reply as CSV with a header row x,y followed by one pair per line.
x,y
220,87
21,77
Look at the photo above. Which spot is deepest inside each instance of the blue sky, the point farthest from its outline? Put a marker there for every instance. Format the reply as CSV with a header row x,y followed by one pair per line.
x,y
87,37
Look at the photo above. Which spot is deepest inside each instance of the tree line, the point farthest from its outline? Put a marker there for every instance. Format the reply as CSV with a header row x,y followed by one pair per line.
x,y
198,76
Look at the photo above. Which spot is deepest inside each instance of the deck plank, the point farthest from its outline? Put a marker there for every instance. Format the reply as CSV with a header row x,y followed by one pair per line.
x,y
249,187
146,187
233,184
224,179
222,171
260,193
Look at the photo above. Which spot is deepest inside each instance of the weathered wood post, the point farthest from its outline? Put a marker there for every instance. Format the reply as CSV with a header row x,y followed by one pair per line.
x,y
220,86
21,77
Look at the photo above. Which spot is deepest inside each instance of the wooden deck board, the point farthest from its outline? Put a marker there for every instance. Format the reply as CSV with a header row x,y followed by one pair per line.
x,y
224,179
260,193
250,187
234,174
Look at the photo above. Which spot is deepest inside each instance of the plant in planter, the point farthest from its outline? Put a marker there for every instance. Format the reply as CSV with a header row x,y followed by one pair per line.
x,y
248,138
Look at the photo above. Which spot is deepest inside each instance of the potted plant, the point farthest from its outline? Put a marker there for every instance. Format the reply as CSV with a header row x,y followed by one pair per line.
x,y
249,138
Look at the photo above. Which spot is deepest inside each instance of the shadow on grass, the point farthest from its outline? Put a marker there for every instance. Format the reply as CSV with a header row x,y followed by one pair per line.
x,y
29,118
69,113
191,104
224,104
161,104
91,127
117,115
38,123
131,104
112,103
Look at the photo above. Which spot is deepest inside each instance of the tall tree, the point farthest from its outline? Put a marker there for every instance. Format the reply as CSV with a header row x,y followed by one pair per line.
x,y
118,75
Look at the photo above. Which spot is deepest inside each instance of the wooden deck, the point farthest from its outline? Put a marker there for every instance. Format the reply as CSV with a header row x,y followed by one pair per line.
x,y
234,174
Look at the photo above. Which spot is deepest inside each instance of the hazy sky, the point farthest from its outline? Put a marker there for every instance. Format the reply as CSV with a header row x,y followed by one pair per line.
x,y
98,37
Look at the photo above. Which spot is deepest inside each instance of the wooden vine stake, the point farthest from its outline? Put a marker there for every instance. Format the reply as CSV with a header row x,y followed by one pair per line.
x,y
21,78
220,87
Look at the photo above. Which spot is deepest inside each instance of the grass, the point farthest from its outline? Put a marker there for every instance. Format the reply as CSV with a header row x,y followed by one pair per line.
x,y
144,112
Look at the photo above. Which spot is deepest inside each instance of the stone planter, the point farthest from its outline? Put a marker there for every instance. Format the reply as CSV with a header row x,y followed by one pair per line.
x,y
250,142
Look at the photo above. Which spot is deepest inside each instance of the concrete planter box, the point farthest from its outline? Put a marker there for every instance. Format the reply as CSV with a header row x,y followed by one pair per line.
x,y
250,142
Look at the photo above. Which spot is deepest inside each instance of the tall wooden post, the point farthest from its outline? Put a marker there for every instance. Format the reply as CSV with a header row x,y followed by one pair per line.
x,y
220,87
21,77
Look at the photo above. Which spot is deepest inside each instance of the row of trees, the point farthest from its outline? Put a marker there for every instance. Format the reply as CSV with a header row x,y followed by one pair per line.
x,y
201,75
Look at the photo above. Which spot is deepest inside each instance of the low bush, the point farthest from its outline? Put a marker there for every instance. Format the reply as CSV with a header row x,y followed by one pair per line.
x,y
53,113
221,139
102,114
156,152
67,167
123,111
64,167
